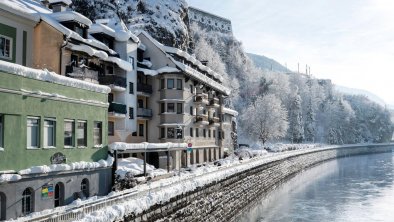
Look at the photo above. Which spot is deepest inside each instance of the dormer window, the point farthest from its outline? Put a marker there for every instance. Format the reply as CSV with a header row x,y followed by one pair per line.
x,y
79,30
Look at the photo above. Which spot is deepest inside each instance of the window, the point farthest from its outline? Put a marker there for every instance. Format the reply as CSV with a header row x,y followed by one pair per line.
x,y
79,30
209,133
170,84
1,131
131,113
162,108
49,133
131,88
162,84
191,132
5,47
111,128
110,70
33,132
179,108
131,60
204,132
197,132
27,201
179,84
81,134
140,103
68,133
162,133
219,135
170,133
110,97
141,129
191,89
97,133
170,107
85,187
214,133
191,110
179,133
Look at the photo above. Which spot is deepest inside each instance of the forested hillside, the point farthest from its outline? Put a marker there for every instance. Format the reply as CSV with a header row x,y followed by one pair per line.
x,y
273,106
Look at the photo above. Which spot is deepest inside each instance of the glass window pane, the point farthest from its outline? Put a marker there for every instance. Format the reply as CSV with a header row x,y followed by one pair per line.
x,y
32,133
111,128
179,108
81,134
171,133
179,84
69,133
170,83
97,133
171,107
49,133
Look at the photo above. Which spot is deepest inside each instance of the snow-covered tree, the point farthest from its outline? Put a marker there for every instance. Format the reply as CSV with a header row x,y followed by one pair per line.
x,y
296,128
265,119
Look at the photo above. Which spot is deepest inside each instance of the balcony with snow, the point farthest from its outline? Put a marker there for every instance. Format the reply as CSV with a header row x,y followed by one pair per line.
x,y
144,85
201,99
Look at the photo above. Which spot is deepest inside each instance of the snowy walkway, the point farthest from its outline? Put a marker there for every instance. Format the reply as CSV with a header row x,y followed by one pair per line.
x,y
118,204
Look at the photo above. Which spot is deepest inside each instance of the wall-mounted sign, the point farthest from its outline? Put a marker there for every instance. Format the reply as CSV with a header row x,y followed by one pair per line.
x,y
58,158
47,191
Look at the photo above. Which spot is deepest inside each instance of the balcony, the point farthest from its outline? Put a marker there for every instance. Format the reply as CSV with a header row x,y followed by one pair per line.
x,y
144,113
201,98
82,73
116,83
202,120
214,103
144,88
117,110
214,122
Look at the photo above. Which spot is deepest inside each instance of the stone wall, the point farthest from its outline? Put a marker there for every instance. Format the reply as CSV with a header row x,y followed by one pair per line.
x,y
226,199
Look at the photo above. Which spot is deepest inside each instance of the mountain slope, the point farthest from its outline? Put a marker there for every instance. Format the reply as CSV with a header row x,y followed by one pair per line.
x,y
266,63
352,91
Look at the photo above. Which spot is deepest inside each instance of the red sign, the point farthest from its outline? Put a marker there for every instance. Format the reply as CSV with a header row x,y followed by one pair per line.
x,y
189,145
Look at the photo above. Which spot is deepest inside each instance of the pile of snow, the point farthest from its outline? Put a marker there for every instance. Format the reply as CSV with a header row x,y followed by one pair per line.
x,y
138,146
68,167
45,75
146,63
280,147
71,16
135,166
9,178
114,28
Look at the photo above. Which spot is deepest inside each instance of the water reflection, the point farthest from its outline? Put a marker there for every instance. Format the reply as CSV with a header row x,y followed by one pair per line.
x,y
356,188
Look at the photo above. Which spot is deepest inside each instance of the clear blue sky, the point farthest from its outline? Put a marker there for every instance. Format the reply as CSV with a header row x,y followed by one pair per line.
x,y
350,42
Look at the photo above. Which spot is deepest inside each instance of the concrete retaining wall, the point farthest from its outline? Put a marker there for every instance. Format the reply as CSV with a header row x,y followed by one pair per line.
x,y
224,200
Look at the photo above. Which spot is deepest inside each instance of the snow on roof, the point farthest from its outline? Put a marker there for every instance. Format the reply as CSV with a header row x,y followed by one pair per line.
x,y
203,78
45,75
142,46
229,111
71,16
67,2
114,28
196,74
9,178
28,8
121,63
138,146
165,69
88,50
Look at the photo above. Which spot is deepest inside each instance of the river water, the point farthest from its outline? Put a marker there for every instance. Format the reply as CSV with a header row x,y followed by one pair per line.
x,y
358,188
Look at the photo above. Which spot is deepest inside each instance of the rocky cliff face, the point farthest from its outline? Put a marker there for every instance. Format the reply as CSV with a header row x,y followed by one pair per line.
x,y
165,20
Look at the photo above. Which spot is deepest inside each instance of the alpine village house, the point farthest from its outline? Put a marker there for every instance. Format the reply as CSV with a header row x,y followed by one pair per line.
x,y
76,96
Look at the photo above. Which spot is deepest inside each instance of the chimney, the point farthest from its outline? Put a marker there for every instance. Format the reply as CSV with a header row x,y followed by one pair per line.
x,y
58,5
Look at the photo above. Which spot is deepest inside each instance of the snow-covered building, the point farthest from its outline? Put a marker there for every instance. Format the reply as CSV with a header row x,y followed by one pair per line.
x,y
209,21
183,97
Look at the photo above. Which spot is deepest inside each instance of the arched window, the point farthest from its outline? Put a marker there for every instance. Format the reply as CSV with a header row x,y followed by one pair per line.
x,y
2,206
85,187
59,194
27,201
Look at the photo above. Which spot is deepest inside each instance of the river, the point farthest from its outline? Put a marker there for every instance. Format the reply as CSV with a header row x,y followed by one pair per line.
x,y
358,188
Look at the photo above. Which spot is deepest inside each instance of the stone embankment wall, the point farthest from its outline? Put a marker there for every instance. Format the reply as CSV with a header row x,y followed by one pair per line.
x,y
224,200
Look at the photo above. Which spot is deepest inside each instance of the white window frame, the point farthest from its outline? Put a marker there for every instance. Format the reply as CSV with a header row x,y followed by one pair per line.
x,y
38,131
72,133
46,139
1,131
85,133
11,47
